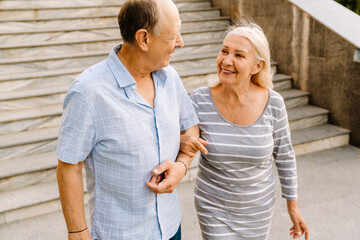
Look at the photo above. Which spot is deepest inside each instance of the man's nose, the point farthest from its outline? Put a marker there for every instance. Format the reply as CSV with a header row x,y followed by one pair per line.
x,y
179,42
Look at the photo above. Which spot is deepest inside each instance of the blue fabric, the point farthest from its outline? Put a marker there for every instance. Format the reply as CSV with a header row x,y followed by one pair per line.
x,y
177,236
122,139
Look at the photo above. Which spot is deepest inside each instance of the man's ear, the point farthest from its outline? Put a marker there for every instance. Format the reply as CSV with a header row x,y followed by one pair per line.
x,y
258,67
142,37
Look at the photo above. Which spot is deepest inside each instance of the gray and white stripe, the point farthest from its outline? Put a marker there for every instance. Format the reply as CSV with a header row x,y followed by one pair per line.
x,y
234,191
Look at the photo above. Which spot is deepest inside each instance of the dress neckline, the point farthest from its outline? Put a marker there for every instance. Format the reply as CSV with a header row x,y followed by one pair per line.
x,y
233,124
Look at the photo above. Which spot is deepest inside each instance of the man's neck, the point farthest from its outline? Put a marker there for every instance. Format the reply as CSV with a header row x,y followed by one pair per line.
x,y
134,62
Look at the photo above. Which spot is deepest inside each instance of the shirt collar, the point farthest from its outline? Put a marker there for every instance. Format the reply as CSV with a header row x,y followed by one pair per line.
x,y
122,75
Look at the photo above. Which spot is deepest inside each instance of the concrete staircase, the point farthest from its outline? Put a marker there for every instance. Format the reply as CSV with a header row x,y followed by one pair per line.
x,y
45,44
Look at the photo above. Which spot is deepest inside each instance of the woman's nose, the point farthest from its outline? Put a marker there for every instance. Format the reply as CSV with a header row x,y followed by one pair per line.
x,y
227,60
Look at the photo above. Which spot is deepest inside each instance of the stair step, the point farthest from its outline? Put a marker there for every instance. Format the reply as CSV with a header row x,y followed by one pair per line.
x,y
191,48
38,92
32,64
74,11
30,201
28,49
306,116
40,79
94,20
59,34
92,31
46,4
50,88
26,171
319,138
294,98
65,76
185,62
73,60
27,197
30,119
55,94
280,81
22,144
28,137
44,196
34,118
32,98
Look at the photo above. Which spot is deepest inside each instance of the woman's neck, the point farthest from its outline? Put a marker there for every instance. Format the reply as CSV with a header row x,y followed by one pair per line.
x,y
236,93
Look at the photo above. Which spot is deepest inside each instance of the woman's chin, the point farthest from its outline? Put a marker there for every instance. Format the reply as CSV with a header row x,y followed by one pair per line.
x,y
226,81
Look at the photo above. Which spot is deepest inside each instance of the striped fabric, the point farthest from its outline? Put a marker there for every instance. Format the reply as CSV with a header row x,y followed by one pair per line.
x,y
234,191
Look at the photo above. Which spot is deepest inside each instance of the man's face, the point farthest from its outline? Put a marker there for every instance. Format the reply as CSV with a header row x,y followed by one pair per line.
x,y
165,43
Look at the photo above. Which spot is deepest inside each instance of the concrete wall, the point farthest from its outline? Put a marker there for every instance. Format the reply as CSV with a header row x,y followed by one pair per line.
x,y
319,60
228,7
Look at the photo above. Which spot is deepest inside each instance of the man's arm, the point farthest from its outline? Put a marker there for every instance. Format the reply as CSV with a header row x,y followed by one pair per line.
x,y
70,182
173,172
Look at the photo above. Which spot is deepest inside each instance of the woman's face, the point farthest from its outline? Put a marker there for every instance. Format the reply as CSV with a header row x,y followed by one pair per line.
x,y
236,61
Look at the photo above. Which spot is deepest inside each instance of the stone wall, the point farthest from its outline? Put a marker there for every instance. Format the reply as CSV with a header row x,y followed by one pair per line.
x,y
319,60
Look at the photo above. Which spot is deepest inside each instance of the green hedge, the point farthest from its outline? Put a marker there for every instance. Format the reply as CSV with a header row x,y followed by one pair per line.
x,y
353,5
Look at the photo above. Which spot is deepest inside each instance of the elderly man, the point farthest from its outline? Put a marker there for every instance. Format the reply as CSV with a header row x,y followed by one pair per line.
x,y
122,118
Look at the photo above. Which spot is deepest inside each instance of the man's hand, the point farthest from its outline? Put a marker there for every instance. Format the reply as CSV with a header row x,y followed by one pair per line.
x,y
190,145
166,176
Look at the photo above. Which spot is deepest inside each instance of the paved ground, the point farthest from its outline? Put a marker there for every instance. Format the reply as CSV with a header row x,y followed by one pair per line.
x,y
329,198
329,195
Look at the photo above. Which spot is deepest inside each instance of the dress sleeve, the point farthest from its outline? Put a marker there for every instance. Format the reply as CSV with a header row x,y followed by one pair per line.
x,y
77,130
194,100
284,154
188,116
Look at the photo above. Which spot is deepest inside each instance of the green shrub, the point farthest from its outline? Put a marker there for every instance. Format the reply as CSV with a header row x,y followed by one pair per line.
x,y
353,5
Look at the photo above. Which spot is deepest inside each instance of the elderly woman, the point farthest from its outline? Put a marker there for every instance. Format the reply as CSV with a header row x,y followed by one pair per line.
x,y
246,125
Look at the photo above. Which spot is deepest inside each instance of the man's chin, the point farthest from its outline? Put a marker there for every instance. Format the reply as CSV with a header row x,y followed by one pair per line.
x,y
166,63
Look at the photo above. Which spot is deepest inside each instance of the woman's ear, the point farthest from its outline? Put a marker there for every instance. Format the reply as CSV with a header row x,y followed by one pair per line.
x,y
258,67
142,37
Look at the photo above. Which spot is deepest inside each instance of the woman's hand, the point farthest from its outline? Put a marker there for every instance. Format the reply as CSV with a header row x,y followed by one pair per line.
x,y
190,145
299,227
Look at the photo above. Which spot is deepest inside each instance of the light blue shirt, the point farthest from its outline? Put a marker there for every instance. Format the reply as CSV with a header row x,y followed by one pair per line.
x,y
122,139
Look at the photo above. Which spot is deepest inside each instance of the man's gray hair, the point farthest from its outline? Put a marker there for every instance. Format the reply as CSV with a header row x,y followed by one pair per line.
x,y
138,14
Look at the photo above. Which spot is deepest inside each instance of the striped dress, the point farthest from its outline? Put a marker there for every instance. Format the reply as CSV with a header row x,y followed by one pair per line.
x,y
234,191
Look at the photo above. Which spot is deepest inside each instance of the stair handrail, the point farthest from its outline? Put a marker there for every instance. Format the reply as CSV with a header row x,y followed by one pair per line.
x,y
336,17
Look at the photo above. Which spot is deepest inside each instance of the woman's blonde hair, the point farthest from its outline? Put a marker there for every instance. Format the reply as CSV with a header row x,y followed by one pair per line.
x,y
248,29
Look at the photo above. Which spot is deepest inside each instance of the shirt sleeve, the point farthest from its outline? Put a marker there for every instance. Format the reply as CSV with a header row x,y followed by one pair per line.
x,y
77,129
284,154
188,116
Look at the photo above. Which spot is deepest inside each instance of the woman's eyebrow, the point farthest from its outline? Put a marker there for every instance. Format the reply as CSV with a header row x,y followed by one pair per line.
x,y
241,51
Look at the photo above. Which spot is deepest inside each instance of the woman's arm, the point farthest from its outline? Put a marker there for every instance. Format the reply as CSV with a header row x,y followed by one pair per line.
x,y
168,174
285,162
299,227
190,143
